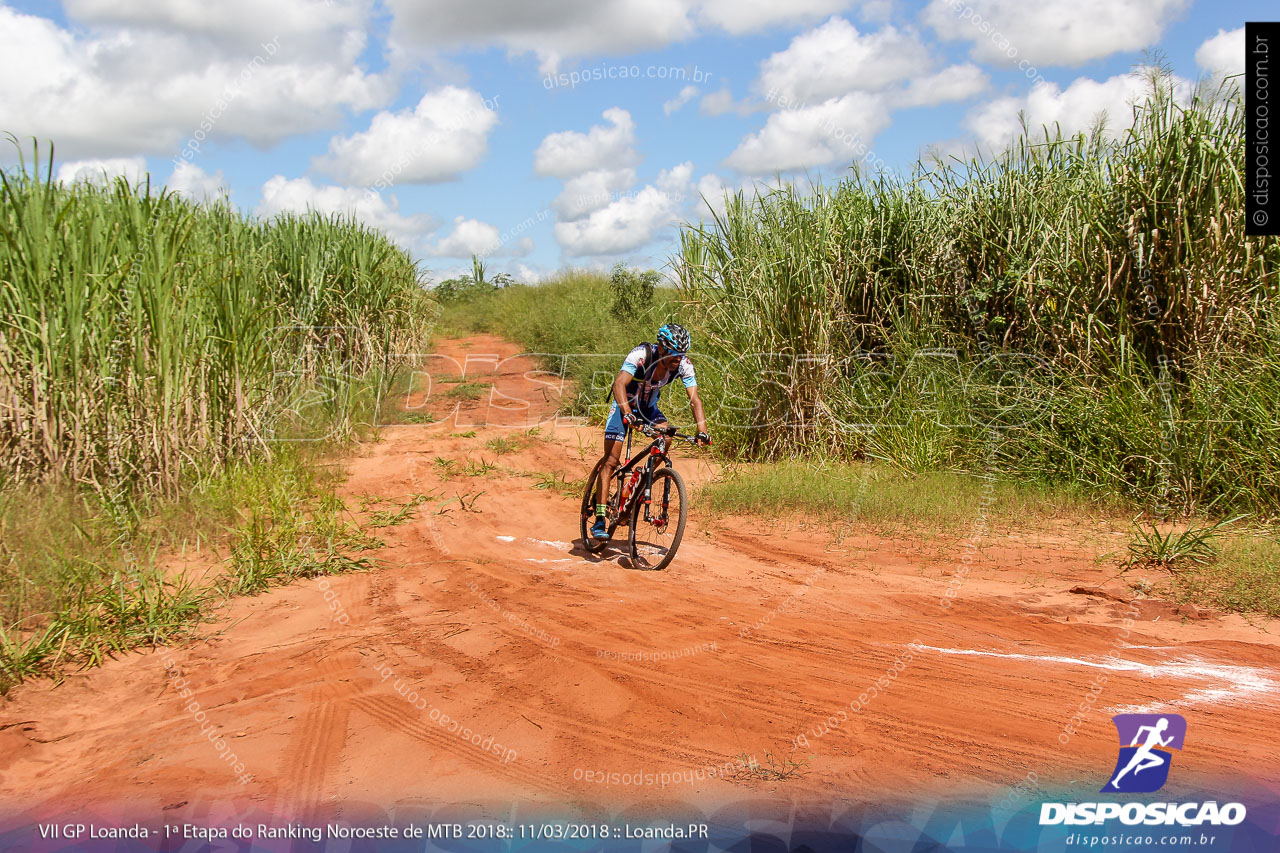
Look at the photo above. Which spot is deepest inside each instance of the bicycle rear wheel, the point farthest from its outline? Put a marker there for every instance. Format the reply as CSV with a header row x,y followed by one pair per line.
x,y
588,513
654,539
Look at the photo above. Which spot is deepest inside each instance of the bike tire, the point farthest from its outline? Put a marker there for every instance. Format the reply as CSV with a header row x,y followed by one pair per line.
x,y
588,513
663,480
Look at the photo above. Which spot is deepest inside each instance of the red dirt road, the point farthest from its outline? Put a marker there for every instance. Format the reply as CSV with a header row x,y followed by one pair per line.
x,y
577,681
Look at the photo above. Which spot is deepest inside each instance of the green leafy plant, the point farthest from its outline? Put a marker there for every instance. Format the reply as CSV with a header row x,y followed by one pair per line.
x,y
1195,544
557,482
502,445
632,290
445,467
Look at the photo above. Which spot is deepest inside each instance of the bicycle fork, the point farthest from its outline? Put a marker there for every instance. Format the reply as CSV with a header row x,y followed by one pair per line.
x,y
661,521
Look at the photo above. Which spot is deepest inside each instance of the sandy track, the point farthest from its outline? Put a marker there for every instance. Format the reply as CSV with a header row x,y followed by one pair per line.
x,y
761,632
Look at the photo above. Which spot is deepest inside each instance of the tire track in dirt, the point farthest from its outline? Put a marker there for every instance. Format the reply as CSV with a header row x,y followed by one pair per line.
x,y
392,714
574,726
314,750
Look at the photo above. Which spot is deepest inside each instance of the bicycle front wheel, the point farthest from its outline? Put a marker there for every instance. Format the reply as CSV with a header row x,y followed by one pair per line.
x,y
657,525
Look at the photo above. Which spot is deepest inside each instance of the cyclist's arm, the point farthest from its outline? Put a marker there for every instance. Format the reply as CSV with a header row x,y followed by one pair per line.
x,y
695,402
620,391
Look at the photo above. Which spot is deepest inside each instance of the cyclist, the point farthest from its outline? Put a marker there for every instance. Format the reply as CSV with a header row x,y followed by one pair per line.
x,y
645,371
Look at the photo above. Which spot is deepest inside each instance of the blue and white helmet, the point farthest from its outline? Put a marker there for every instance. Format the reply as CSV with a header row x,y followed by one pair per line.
x,y
675,337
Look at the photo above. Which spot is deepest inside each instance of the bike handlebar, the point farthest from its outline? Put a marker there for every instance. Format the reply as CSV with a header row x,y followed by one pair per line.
x,y
671,432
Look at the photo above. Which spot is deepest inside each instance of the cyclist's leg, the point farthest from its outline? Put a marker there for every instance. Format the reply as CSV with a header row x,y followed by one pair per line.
x,y
614,434
612,458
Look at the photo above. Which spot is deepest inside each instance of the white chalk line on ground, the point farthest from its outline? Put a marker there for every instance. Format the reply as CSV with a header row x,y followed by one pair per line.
x,y
548,543
559,546
1233,683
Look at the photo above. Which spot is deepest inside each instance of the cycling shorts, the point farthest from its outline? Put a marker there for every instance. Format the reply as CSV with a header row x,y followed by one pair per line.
x,y
613,427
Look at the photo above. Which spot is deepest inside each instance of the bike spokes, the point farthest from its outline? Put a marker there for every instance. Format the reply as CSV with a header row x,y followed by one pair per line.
x,y
658,524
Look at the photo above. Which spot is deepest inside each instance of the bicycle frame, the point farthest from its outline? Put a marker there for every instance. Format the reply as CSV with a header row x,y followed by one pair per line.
x,y
654,457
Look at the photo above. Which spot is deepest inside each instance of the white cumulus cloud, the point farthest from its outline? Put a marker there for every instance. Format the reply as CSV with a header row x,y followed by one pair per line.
x,y
473,237
833,89
839,129
551,30
591,191
102,172
686,95
1222,55
444,135
1074,109
558,31
123,90
631,221
569,153
953,83
280,194
192,182
319,26
1051,32
835,59
743,16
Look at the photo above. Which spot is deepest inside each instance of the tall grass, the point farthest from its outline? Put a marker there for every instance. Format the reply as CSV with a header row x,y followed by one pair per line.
x,y
1096,301
141,333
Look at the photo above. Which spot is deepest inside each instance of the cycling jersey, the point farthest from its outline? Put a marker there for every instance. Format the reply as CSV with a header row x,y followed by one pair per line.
x,y
644,388
642,391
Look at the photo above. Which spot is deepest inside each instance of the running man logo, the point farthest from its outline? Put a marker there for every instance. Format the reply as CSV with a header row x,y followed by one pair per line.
x,y
1145,757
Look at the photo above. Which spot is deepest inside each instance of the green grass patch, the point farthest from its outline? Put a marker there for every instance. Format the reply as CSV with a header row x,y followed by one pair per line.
x,y
1245,576
880,496
399,515
557,482
468,390
502,445
445,467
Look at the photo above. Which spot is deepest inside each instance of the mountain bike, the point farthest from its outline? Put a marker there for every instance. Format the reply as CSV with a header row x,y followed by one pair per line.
x,y
648,496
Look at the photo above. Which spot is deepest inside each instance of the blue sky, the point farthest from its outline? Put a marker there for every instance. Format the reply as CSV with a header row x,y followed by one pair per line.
x,y
564,132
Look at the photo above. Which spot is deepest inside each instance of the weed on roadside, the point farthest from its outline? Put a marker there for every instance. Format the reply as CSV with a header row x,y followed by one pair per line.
x,y
774,769
502,445
468,390
558,483
1195,544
